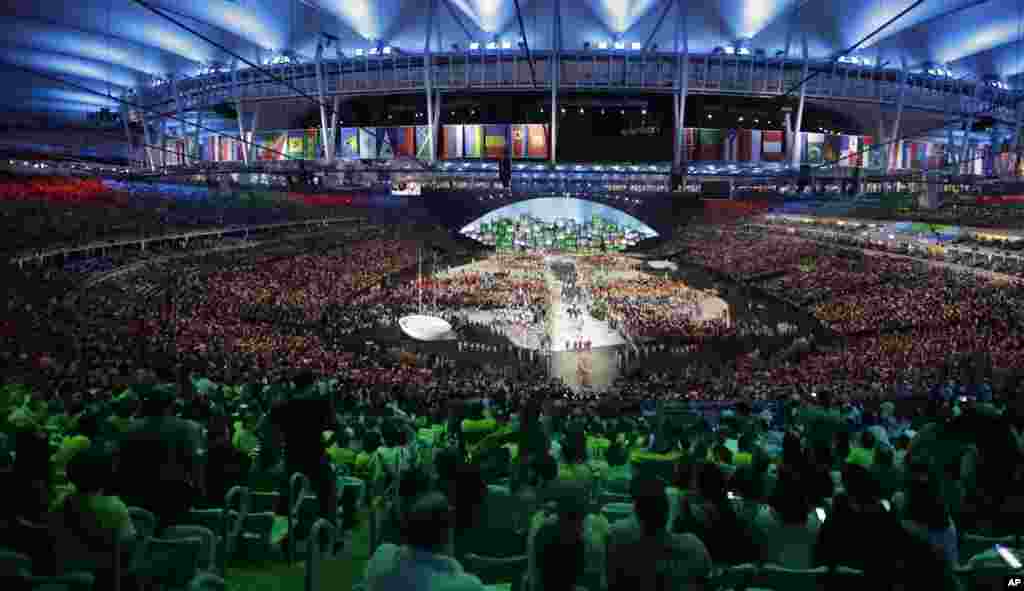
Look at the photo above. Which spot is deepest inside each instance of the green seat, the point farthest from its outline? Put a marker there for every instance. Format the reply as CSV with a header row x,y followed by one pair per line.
x,y
617,511
262,502
973,544
68,582
14,564
170,563
320,548
492,569
143,521
208,543
254,541
734,578
985,576
775,578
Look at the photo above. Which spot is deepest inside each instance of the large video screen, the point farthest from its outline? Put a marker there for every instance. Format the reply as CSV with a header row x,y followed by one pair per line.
x,y
572,225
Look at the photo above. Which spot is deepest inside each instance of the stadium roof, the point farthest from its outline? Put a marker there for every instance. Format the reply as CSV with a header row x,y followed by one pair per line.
x,y
110,45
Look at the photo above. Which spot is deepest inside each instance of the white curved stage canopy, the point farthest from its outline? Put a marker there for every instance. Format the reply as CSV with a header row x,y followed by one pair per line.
x,y
536,222
426,328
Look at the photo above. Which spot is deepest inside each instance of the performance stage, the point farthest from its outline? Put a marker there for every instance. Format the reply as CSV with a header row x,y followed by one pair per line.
x,y
548,307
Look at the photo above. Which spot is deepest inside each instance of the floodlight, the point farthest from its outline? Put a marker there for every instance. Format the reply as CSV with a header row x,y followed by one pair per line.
x,y
386,50
620,45
474,46
506,45
602,45
492,45
373,51
359,52
636,46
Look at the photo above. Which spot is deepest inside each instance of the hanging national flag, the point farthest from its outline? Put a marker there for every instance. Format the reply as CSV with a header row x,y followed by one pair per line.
x,y
537,141
423,142
731,146
348,143
367,143
832,148
452,141
709,144
772,145
495,142
813,147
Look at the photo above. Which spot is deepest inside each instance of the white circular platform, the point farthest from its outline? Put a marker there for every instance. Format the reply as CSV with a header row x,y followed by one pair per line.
x,y
663,265
426,328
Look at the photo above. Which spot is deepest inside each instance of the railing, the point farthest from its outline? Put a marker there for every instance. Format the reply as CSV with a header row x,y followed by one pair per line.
x,y
590,70
182,237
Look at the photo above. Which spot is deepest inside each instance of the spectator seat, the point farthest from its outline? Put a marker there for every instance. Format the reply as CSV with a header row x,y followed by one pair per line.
x,y
81,581
775,578
734,578
984,576
320,547
617,511
492,569
144,522
14,564
208,540
261,502
171,564
255,542
972,545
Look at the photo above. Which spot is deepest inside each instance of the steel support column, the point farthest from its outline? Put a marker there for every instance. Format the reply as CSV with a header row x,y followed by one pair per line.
x,y
995,143
147,136
435,130
948,117
177,101
428,82
326,133
795,156
556,51
125,113
253,155
199,123
237,93
964,150
682,89
895,143
162,153
1015,140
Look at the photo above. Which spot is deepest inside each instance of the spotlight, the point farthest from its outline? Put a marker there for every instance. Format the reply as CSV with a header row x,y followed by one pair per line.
x,y
602,45
492,45
636,46
506,45
620,45
373,51
359,52
474,46
386,50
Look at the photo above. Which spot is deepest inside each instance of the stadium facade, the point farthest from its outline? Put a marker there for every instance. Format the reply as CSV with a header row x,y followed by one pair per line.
x,y
920,79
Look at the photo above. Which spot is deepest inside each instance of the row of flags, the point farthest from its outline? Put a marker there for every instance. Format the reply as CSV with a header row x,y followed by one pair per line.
x,y
532,141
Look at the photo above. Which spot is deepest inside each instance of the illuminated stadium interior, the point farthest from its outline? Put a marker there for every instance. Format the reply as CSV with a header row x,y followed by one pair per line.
x,y
496,295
